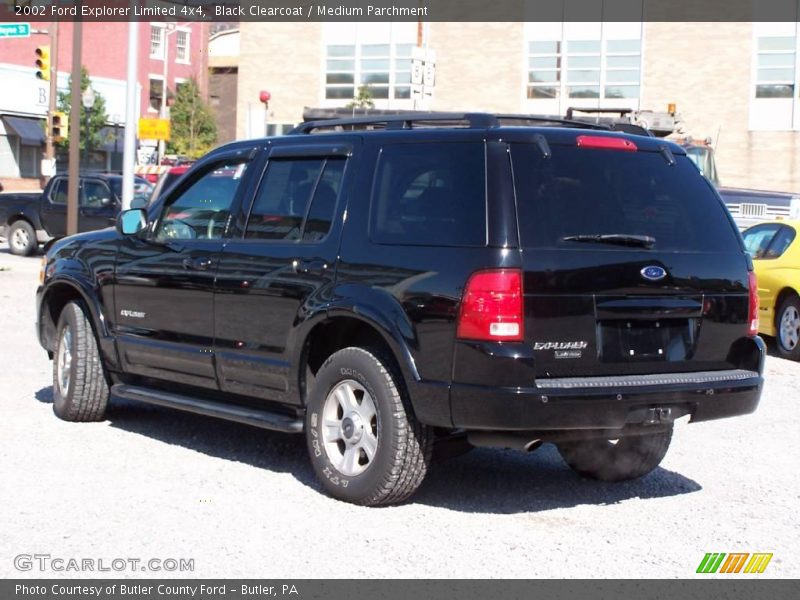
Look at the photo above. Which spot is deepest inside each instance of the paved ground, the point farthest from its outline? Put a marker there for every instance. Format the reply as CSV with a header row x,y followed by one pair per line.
x,y
150,483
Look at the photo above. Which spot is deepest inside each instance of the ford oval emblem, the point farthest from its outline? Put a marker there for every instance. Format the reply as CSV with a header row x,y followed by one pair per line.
x,y
653,273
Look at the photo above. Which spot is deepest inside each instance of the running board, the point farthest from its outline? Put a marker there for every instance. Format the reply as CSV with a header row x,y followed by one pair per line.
x,y
249,416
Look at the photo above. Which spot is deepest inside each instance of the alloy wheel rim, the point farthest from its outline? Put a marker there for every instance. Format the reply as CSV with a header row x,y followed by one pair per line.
x,y
64,361
350,428
790,328
20,238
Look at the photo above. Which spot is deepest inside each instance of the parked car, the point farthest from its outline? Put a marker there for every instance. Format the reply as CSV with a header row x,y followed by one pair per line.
x,y
30,219
776,255
387,283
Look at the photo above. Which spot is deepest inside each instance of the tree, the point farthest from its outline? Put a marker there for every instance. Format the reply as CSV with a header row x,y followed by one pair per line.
x,y
363,99
97,117
193,129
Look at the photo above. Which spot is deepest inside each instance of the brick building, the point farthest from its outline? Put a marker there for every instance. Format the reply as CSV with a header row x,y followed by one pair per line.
x,y
737,83
24,98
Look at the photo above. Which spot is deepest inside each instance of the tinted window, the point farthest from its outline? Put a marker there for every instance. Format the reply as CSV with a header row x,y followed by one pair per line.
x,y
430,194
141,190
95,194
767,241
582,191
296,199
59,193
201,211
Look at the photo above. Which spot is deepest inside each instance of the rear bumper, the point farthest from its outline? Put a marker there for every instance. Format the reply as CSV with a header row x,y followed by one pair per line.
x,y
606,402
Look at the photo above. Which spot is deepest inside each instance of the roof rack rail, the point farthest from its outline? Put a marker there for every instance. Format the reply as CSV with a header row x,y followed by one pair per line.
x,y
400,121
439,119
568,122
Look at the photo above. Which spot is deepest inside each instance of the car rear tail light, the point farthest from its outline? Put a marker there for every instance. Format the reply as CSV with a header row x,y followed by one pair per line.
x,y
491,308
752,284
606,143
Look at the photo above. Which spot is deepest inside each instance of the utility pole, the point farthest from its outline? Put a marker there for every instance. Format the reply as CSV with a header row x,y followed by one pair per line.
x,y
75,131
50,148
131,113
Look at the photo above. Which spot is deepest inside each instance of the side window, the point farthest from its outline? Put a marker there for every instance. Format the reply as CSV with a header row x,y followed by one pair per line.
x,y
296,199
430,195
94,194
781,242
758,239
201,211
59,193
323,206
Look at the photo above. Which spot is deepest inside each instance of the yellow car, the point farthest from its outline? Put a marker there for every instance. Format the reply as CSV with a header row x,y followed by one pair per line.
x,y
776,254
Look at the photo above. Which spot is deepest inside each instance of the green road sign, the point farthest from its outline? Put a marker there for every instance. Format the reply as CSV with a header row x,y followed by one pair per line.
x,y
15,30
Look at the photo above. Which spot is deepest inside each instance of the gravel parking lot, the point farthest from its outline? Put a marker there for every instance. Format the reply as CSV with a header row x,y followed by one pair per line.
x,y
242,502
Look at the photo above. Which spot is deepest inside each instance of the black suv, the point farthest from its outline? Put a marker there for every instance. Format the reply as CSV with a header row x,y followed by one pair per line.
x,y
386,284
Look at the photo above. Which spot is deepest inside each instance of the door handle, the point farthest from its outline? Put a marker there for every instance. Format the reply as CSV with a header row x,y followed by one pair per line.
x,y
197,264
309,267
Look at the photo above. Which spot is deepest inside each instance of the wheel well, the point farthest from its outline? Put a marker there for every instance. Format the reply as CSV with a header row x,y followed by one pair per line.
x,y
15,218
782,296
333,335
57,298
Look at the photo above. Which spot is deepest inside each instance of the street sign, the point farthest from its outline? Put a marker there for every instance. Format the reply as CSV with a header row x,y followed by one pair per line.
x,y
15,30
154,129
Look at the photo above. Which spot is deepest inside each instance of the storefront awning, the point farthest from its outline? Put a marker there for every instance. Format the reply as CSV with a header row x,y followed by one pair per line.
x,y
30,131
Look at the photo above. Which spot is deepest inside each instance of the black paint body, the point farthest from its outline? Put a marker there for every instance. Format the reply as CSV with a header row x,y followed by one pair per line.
x,y
235,319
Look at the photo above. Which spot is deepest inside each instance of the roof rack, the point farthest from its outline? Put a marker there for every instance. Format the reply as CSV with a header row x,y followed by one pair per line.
x,y
434,119
400,121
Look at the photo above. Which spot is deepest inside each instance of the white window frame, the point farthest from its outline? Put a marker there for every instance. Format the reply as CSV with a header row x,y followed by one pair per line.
x,y
359,35
558,33
162,44
774,114
160,78
188,33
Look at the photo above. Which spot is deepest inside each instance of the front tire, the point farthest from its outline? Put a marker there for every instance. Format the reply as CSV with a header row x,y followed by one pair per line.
x,y
365,443
788,338
630,457
80,389
21,238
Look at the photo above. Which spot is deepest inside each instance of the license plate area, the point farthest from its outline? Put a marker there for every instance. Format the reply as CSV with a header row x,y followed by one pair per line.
x,y
634,340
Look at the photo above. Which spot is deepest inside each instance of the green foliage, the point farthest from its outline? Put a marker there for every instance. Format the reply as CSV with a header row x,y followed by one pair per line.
x,y
97,116
363,98
193,128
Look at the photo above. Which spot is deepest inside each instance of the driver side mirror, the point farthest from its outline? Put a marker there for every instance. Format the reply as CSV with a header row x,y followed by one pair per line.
x,y
132,221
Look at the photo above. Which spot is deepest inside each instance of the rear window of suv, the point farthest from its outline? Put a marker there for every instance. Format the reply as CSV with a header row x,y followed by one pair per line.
x,y
431,194
587,192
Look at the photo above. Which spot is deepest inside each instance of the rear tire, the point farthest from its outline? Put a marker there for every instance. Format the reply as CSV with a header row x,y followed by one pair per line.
x,y
365,443
80,389
629,458
788,328
22,238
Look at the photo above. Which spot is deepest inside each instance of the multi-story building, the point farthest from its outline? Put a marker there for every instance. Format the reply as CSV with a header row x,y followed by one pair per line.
x,y
737,83
177,50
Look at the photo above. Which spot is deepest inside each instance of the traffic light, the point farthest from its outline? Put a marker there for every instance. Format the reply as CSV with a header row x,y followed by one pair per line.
x,y
60,126
43,63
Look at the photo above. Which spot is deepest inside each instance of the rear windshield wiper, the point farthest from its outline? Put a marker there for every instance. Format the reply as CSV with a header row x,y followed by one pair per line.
x,y
620,239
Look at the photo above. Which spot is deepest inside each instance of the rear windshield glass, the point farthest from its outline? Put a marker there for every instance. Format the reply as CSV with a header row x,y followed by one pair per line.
x,y
589,192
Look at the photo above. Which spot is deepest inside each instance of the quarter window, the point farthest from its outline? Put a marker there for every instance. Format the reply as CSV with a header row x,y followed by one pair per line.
x,y
202,210
430,195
